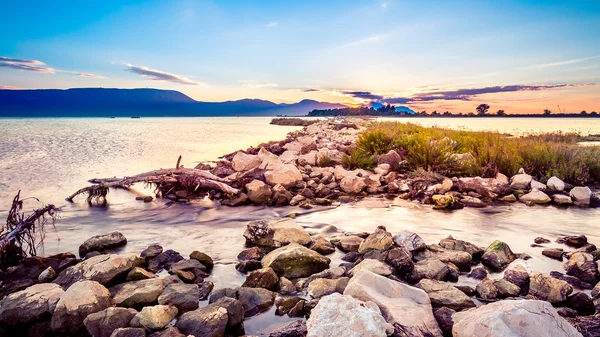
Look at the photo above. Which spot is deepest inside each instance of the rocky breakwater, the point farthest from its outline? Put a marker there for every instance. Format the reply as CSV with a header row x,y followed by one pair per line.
x,y
387,284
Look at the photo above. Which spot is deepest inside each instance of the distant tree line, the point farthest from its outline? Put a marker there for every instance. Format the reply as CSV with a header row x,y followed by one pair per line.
x,y
481,111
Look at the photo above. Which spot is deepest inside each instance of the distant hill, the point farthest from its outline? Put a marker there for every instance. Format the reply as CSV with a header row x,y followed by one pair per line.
x,y
105,102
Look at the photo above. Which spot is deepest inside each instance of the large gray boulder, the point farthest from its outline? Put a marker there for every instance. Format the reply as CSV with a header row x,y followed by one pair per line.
x,y
287,175
103,323
29,305
582,266
243,162
512,318
276,232
209,321
535,197
555,184
549,289
102,242
342,315
407,308
294,260
581,196
184,297
520,181
75,304
379,240
411,241
497,256
254,300
102,269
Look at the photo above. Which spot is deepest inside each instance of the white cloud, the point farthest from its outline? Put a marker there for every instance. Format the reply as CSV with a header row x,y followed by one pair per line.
x,y
272,24
563,63
157,75
257,85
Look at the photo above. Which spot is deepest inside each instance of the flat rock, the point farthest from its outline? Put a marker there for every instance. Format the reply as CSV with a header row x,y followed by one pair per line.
x,y
287,175
442,294
102,242
209,321
32,304
254,300
102,269
320,287
184,297
349,243
512,318
375,266
433,269
103,323
154,317
138,293
276,232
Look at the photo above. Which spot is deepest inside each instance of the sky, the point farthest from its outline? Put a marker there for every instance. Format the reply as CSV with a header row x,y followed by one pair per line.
x,y
518,56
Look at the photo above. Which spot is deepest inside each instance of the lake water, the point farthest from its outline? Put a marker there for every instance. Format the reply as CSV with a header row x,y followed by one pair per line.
x,y
51,158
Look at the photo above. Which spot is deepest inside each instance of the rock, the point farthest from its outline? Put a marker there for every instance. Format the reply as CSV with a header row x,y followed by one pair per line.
x,y
541,240
47,275
253,253
478,273
151,252
512,318
487,290
445,318
459,258
506,289
235,310
400,259
184,297
576,241
410,241
322,246
352,184
463,246
555,184
294,260
138,273
407,308
372,265
518,276
246,266
509,198
581,196
164,260
102,269
81,299
209,321
582,303
562,200
154,317
392,158
497,256
129,332
103,323
572,280
486,187
138,293
205,288
168,332
258,192
443,201
286,287
254,300
245,162
276,232
548,289
382,169
588,326
31,304
297,199
443,294
432,269
349,243
554,253
203,258
262,278
294,329
520,182
535,197
582,266
380,240
472,202
340,315
102,242
566,312
292,306
320,287
287,175
192,266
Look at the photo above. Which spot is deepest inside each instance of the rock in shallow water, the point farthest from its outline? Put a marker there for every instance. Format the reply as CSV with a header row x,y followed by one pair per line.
x,y
294,260
102,242
497,256
512,318
442,294
102,269
31,304
103,323
549,289
276,232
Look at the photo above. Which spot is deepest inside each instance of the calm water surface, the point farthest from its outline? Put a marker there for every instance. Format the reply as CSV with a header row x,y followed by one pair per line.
x,y
51,158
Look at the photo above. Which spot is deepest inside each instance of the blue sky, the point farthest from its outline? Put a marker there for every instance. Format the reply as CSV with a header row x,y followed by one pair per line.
x,y
520,56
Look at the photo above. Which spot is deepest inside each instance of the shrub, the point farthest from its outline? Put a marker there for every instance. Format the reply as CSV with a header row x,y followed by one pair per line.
x,y
325,161
358,158
377,141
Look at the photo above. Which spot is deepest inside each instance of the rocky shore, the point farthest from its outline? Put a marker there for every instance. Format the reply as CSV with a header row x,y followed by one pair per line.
x,y
388,284
307,169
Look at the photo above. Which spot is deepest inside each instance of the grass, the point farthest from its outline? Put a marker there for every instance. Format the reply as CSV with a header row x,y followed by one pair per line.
x,y
442,151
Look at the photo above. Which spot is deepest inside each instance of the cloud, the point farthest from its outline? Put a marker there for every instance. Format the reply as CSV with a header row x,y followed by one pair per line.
x,y
157,75
89,75
271,24
25,65
8,87
256,85
384,5
311,90
563,63
366,40
455,95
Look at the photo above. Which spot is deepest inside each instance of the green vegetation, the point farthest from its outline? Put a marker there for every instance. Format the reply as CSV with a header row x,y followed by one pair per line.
x,y
292,121
325,161
470,153
359,158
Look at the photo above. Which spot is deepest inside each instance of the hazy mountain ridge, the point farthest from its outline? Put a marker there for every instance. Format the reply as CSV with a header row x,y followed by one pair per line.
x,y
105,102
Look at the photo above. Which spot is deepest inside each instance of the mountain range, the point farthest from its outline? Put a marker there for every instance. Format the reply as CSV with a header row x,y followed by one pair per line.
x,y
107,102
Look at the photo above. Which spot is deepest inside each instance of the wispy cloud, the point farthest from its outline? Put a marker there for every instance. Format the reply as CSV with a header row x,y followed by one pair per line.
x,y
362,41
271,24
454,95
25,65
89,75
8,87
257,85
563,63
384,5
157,75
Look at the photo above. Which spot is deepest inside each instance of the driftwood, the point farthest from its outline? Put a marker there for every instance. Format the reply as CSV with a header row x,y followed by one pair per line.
x,y
22,235
184,176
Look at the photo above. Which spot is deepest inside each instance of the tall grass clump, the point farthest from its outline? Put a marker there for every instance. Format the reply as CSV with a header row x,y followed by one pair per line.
x,y
359,159
484,153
